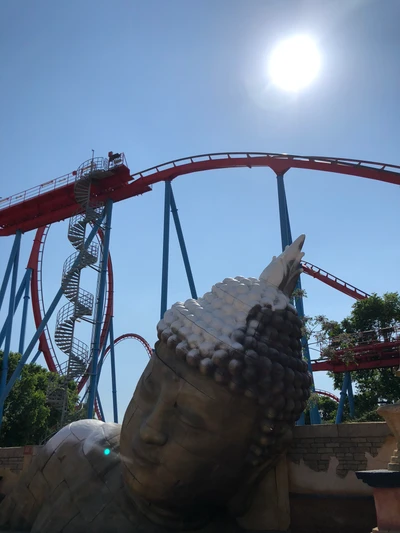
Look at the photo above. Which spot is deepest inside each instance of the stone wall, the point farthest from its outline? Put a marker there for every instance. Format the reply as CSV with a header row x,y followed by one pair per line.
x,y
325,494
12,462
351,444
324,458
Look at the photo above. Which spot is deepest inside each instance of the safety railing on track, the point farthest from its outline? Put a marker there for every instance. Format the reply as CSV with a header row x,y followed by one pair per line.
x,y
38,190
313,270
285,157
70,178
52,185
360,342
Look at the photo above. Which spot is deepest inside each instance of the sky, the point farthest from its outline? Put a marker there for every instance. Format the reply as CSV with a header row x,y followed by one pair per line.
x,y
162,80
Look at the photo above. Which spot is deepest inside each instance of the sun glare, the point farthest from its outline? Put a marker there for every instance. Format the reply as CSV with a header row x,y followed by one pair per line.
x,y
294,63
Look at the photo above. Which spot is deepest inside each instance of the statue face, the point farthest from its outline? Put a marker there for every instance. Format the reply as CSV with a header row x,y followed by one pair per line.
x,y
184,438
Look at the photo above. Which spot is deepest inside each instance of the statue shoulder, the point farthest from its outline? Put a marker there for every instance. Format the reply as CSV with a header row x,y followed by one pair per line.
x,y
80,458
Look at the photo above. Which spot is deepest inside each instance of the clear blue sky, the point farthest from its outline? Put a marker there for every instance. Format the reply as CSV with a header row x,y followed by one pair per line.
x,y
161,80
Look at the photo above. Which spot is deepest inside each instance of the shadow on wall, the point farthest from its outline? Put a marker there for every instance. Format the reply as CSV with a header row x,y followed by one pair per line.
x,y
325,494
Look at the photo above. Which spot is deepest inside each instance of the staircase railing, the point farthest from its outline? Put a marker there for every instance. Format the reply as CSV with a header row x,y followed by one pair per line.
x,y
80,302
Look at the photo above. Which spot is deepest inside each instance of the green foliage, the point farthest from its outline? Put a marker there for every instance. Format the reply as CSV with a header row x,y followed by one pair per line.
x,y
373,387
326,406
28,418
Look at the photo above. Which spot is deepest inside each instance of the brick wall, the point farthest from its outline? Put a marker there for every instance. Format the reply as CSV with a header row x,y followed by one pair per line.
x,y
12,462
349,443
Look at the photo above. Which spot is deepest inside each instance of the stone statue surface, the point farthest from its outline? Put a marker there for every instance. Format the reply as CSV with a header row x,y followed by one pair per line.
x,y
210,416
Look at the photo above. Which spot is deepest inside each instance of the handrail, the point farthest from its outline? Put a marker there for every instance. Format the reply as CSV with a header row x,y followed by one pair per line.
x,y
38,190
51,185
285,157
333,281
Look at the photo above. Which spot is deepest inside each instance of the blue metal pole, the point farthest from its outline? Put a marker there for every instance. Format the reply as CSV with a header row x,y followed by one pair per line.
x,y
343,394
11,307
350,396
17,302
182,244
100,407
102,357
164,274
14,250
36,356
113,373
47,316
25,311
286,239
99,309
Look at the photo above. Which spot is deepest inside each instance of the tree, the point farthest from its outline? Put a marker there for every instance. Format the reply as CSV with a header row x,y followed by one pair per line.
x,y
28,417
379,316
326,407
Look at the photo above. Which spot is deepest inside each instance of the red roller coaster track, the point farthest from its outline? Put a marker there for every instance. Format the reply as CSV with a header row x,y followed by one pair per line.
x,y
126,336
374,354
327,394
333,281
54,200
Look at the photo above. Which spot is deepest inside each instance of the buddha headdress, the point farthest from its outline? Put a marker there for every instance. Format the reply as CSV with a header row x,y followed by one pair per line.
x,y
246,335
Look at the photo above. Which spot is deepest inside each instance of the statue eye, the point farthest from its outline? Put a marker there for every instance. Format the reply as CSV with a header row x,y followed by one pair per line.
x,y
189,418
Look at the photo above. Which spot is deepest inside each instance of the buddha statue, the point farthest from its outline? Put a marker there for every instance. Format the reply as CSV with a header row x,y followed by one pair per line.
x,y
211,414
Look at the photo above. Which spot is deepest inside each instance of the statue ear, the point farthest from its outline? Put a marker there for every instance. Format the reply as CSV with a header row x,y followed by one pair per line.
x,y
240,503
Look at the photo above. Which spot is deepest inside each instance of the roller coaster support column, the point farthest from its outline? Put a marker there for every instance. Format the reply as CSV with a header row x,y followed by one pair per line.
x,y
182,244
99,309
18,298
347,391
170,206
343,394
11,308
46,318
350,397
113,372
100,407
165,258
36,357
286,238
11,262
27,281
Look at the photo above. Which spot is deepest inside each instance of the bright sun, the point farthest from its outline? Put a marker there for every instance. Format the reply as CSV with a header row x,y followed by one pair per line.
x,y
294,63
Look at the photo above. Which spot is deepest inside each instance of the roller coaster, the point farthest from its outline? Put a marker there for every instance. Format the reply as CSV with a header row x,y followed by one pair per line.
x,y
86,197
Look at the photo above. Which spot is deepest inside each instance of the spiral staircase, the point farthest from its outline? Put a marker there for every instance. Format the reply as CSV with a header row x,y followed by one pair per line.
x,y
80,302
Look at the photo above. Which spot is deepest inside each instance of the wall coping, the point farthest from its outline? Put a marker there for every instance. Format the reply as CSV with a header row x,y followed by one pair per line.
x,y
352,429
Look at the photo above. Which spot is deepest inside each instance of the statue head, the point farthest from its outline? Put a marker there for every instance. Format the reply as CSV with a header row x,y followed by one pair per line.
x,y
216,404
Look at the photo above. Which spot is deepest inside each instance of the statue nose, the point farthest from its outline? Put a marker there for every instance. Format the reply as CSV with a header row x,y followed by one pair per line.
x,y
152,432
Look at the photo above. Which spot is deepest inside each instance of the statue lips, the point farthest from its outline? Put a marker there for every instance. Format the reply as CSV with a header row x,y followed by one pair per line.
x,y
142,460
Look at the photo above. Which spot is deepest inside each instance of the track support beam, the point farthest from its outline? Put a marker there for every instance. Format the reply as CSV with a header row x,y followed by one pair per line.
x,y
9,322
346,392
99,309
27,281
18,298
113,373
182,245
165,257
286,239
